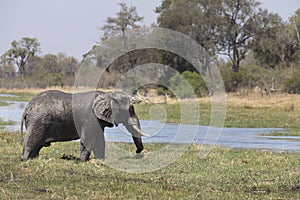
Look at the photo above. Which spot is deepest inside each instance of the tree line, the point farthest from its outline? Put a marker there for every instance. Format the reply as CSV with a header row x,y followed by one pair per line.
x,y
21,67
252,47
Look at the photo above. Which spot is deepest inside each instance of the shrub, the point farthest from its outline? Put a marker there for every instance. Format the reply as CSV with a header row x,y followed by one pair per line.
x,y
292,84
187,85
248,76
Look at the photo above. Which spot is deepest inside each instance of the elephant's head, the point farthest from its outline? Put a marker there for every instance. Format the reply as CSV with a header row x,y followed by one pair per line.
x,y
116,108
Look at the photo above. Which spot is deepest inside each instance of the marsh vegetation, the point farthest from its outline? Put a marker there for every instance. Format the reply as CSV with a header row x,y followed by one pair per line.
x,y
224,173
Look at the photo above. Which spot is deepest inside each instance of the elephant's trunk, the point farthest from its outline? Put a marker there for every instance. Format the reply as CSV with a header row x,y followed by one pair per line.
x,y
136,133
138,143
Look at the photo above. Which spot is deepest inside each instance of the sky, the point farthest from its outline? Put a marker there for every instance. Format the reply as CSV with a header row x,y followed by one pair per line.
x,y
73,26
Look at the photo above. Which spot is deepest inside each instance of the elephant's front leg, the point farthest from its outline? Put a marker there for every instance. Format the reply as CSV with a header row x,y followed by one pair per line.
x,y
84,153
92,139
99,145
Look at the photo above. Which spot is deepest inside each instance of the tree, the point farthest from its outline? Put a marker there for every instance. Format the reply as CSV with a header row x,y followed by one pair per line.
x,y
268,45
195,18
50,64
278,43
222,26
238,27
126,19
68,65
292,50
7,71
20,52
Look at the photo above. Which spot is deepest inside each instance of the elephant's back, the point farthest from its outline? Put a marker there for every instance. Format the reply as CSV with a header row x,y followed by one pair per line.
x,y
57,103
53,95
52,102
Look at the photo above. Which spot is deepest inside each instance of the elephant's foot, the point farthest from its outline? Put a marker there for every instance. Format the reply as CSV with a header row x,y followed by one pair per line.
x,y
84,153
85,156
47,144
30,154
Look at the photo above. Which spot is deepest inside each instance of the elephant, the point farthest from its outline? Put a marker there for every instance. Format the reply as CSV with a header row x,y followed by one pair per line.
x,y
55,116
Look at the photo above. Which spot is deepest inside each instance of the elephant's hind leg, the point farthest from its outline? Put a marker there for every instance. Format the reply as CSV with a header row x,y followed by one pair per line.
x,y
32,144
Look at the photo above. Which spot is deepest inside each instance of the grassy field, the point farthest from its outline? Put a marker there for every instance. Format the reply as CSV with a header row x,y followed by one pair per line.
x,y
236,116
280,111
223,174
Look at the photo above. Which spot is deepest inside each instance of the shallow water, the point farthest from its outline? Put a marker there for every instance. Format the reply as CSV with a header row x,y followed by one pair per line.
x,y
229,137
8,95
166,133
14,113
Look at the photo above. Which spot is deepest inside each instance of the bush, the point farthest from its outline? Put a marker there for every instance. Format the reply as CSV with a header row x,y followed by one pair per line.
x,y
188,85
162,91
197,82
248,76
292,84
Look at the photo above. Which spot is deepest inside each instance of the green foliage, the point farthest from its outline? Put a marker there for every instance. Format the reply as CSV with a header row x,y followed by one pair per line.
x,y
248,76
55,79
186,85
163,91
268,46
51,70
292,83
197,82
4,122
181,87
278,43
221,27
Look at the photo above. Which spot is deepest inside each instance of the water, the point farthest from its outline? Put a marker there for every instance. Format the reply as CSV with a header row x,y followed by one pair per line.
x,y
230,137
166,132
8,95
14,113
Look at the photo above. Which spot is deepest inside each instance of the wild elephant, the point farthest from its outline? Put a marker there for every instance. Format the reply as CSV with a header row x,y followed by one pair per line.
x,y
54,116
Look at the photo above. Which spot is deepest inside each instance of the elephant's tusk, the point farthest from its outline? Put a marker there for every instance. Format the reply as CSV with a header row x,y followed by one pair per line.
x,y
136,128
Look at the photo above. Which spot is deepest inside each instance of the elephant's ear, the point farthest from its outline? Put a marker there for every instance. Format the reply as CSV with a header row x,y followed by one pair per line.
x,y
102,108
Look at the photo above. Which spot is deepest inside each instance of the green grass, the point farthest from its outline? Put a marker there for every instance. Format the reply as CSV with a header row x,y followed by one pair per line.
x,y
4,123
3,103
240,117
289,132
20,96
223,174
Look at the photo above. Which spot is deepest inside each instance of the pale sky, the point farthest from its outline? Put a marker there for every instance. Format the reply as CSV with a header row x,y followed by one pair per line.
x,y
72,26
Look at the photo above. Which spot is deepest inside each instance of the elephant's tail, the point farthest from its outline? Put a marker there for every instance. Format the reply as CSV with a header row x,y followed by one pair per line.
x,y
22,123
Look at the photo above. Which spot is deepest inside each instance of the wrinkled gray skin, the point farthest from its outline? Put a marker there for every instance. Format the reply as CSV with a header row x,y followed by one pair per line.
x,y
51,117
